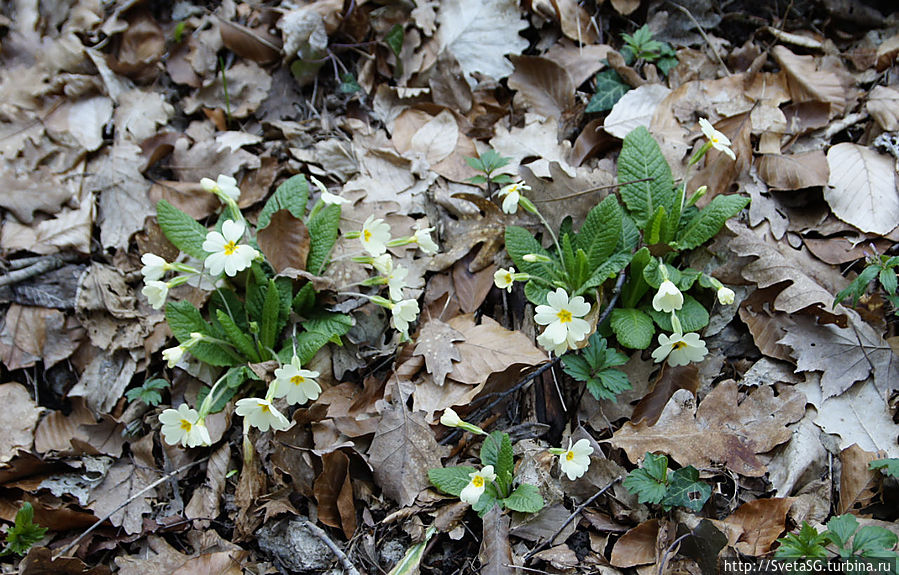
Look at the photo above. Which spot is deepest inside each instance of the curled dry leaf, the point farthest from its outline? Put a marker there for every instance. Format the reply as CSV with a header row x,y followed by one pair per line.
x,y
637,546
496,551
809,82
722,430
794,171
285,241
883,105
543,86
490,348
334,492
17,419
857,481
636,108
756,525
435,343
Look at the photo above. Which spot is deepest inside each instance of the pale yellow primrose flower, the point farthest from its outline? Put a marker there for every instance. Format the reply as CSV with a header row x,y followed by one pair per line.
x,y
383,263
725,295
576,459
374,236
154,267
475,488
173,355
224,185
328,197
562,317
260,413
297,385
396,281
225,254
404,312
503,279
183,426
680,349
156,293
511,195
450,418
718,140
668,298
557,348
424,241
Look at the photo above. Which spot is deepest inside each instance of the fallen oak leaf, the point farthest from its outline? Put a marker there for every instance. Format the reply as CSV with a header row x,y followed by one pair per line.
x,y
756,525
435,344
490,348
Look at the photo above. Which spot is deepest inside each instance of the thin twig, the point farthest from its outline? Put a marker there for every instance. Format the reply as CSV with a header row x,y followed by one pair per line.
x,y
671,549
337,551
571,517
703,34
591,190
124,504
42,265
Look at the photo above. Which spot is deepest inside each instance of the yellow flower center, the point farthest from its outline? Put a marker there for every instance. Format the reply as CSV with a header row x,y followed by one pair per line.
x,y
508,278
564,315
679,345
186,425
366,235
477,481
230,248
569,456
265,408
297,379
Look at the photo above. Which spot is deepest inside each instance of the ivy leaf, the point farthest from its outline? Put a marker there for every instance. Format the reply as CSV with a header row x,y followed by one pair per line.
x,y
642,159
526,498
632,327
650,481
451,480
291,195
348,84
24,533
186,233
609,89
394,39
686,490
886,466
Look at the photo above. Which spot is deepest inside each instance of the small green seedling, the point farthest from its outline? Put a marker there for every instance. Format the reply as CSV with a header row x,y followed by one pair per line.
x,y
654,483
24,533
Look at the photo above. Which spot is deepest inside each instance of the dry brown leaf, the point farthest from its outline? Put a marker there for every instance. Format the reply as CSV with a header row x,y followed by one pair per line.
x,y
31,334
402,451
581,62
124,200
105,379
808,82
207,498
334,493
438,139
562,195
635,108
207,157
669,381
490,348
537,139
470,289
802,458
160,558
254,44
543,86
56,430
495,553
625,7
722,430
756,525
248,86
812,284
36,191
766,326
69,230
17,420
39,561
435,344
883,105
862,416
794,171
841,250
285,241
844,355
124,480
140,113
637,546
857,481
80,123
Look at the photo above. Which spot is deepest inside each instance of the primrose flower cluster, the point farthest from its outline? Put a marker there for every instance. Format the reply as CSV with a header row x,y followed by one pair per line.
x,y
375,240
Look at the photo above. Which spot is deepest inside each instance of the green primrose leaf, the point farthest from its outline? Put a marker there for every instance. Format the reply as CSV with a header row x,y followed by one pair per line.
x,y
322,237
526,498
487,501
270,326
708,221
632,327
497,451
451,480
693,316
291,195
183,319
642,159
243,342
186,233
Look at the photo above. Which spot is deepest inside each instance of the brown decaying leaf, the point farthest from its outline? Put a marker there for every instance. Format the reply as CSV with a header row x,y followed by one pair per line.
x,y
670,380
205,501
495,553
471,288
719,171
489,348
254,44
401,452
56,430
543,86
860,415
637,546
30,334
143,43
812,283
160,558
123,480
809,83
188,197
251,485
857,482
756,525
794,171
39,561
124,202
435,344
862,188
334,492
17,420
766,326
722,430
285,242
844,355
248,86
563,195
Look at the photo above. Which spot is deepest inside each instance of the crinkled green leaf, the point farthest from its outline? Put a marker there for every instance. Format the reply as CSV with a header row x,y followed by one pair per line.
x,y
526,498
808,543
183,319
496,450
693,316
451,480
291,195
241,340
642,159
632,327
186,233
608,383
24,533
609,89
650,481
322,237
708,222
